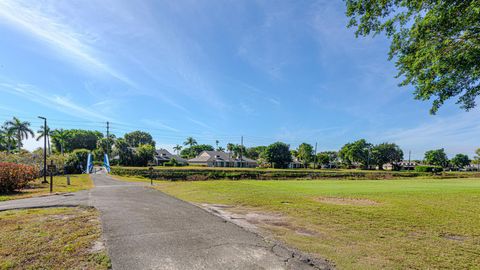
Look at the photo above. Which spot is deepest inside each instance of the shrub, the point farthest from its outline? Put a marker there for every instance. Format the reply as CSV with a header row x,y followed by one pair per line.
x,y
15,176
77,161
428,168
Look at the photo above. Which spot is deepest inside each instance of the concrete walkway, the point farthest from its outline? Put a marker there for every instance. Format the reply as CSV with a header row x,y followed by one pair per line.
x,y
147,229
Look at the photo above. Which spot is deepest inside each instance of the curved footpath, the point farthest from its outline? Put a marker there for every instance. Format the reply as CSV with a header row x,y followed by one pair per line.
x,y
147,229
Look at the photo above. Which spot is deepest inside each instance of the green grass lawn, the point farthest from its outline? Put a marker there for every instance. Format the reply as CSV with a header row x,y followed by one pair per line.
x,y
53,238
378,224
36,188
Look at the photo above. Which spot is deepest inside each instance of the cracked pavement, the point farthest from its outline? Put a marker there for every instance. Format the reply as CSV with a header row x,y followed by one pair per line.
x,y
147,229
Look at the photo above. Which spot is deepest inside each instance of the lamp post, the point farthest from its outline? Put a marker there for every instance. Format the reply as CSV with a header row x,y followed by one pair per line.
x,y
44,149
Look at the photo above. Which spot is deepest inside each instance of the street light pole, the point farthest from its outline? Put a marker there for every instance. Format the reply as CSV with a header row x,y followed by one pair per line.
x,y
44,149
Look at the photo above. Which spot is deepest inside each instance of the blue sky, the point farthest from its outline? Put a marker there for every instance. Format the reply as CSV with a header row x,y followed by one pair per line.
x,y
267,70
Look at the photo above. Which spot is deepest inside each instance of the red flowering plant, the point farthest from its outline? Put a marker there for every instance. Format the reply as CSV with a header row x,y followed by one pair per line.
x,y
16,176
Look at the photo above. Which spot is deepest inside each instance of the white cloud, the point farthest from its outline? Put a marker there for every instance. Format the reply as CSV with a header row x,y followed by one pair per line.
x,y
55,102
31,19
158,124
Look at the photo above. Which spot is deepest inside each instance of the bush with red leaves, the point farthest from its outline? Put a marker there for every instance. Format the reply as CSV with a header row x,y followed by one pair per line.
x,y
16,176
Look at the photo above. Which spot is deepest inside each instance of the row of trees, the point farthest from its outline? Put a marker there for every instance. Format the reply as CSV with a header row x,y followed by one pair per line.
x,y
138,148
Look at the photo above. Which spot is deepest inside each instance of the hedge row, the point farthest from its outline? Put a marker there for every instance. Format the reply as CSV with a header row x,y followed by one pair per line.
x,y
428,168
16,176
199,174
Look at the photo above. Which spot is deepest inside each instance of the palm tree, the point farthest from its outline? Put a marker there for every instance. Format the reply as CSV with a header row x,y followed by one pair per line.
x,y
177,148
190,141
7,138
60,136
220,149
41,134
217,142
22,130
230,148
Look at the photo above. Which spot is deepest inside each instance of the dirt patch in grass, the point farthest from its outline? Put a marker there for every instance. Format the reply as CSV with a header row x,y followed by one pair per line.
x,y
255,220
346,201
53,238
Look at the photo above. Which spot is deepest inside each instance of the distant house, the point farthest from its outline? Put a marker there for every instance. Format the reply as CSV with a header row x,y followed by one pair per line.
x,y
402,165
221,159
162,155
295,164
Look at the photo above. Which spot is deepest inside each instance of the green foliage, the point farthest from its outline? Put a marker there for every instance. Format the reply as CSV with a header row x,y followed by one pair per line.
x,y
460,161
137,138
144,154
104,146
436,157
356,152
327,158
255,152
428,168
386,153
193,151
305,153
124,152
72,139
190,141
77,161
435,44
278,154
21,129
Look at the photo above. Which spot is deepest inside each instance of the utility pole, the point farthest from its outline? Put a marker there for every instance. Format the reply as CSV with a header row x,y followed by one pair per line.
x,y
315,157
409,155
108,139
241,152
44,149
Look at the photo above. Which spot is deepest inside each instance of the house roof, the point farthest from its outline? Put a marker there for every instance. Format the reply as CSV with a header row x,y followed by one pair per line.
x,y
164,155
206,156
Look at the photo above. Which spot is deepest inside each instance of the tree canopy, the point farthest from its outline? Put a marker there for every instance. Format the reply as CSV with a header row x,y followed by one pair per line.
x,y
305,153
137,138
386,153
194,150
278,154
460,161
436,157
72,139
436,44
356,152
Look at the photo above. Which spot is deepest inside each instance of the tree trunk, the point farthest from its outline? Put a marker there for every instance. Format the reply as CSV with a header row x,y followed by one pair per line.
x,y
19,143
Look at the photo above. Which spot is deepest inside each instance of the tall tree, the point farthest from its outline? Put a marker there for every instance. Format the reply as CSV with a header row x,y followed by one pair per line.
x,y
60,136
436,157
190,141
278,154
436,44
177,148
7,139
460,160
41,133
255,152
386,153
356,152
305,153
78,139
137,138
193,151
21,129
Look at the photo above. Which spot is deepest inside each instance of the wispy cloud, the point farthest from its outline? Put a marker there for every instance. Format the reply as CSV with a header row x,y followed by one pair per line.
x,y
200,123
54,102
28,17
456,133
158,124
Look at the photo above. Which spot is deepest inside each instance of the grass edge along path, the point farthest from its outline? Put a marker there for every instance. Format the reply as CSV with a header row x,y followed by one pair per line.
x,y
417,223
37,188
52,238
